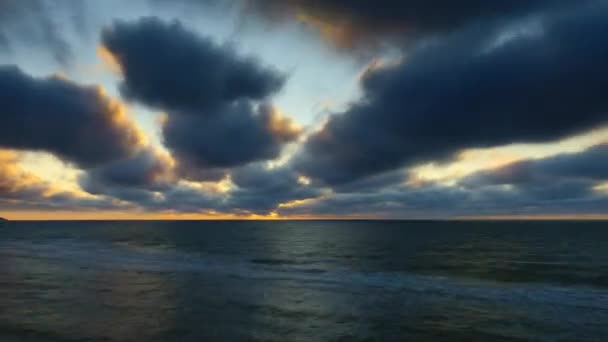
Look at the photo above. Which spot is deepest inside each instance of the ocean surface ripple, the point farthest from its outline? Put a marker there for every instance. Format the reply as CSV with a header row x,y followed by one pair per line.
x,y
304,281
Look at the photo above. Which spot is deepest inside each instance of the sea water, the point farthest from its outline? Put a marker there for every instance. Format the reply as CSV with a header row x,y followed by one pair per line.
x,y
304,281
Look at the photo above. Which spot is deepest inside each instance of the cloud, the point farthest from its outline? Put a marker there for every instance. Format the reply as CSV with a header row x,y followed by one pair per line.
x,y
14,183
167,66
402,202
567,197
356,23
145,179
564,184
239,134
147,169
181,198
558,185
78,123
451,95
217,117
473,74
148,182
261,190
22,190
441,202
564,175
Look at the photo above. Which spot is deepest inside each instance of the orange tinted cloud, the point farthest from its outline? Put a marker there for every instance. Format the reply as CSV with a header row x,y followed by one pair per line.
x,y
118,114
108,60
12,179
17,183
283,127
97,215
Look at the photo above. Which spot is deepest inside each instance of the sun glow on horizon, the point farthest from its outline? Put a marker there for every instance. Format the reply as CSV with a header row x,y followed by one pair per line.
x,y
149,216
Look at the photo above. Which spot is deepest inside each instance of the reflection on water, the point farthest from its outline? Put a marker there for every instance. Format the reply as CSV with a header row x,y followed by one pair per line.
x,y
303,281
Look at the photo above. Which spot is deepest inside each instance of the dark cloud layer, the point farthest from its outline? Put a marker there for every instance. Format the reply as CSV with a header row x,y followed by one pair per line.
x,y
148,181
167,66
77,123
350,24
431,202
260,190
474,74
147,169
566,184
238,135
439,202
208,92
142,179
536,86
582,170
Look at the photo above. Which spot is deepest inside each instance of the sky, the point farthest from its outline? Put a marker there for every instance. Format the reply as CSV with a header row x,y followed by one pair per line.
x,y
303,109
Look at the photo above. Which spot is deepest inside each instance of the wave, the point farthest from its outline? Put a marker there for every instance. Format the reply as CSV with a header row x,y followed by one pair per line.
x,y
76,254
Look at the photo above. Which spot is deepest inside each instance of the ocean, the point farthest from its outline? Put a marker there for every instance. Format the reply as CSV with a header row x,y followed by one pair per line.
x,y
304,281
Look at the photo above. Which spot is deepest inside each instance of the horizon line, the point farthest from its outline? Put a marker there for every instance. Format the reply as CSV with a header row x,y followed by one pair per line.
x,y
453,219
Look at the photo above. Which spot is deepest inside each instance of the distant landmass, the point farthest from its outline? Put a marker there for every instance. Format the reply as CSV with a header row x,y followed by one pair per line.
x,y
2,219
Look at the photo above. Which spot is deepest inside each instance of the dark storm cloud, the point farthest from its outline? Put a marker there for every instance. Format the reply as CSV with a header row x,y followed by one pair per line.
x,y
583,169
239,134
566,181
164,65
352,23
147,169
446,202
374,183
399,202
147,182
184,199
564,184
260,190
210,93
77,123
156,195
141,179
35,22
476,196
561,184
446,96
61,202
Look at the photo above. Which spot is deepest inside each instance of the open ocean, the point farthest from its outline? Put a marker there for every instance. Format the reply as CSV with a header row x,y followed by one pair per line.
x,y
304,281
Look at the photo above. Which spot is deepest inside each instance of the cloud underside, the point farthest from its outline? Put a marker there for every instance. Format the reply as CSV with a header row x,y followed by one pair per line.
x,y
565,184
473,74
78,123
361,24
216,100
461,93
